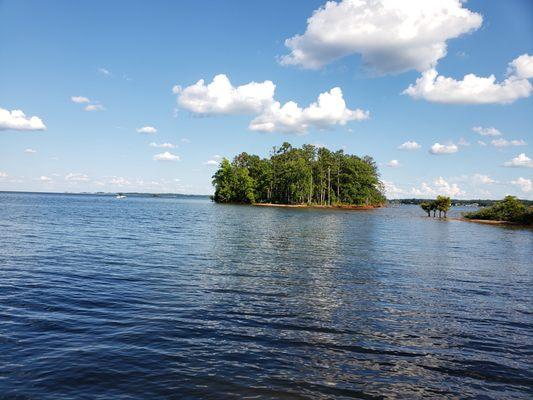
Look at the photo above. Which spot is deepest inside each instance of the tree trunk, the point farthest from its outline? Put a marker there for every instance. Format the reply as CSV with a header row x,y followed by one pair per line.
x,y
329,186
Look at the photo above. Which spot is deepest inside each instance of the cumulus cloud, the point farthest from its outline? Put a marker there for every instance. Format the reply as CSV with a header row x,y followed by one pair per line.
x,y
391,190
76,177
490,131
409,145
17,120
440,187
438,148
390,36
521,67
483,179
94,107
44,178
163,145
394,164
3,175
221,97
471,89
211,162
520,160
147,129
166,156
79,99
329,110
481,143
30,151
524,184
504,143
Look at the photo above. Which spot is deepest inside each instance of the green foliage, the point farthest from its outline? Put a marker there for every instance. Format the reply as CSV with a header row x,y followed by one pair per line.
x,y
306,175
510,209
442,205
426,206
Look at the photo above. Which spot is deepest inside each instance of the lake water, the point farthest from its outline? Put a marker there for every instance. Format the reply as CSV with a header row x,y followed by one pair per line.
x,y
147,298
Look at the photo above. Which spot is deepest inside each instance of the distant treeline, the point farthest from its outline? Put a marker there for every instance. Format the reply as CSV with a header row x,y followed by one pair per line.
x,y
481,203
306,175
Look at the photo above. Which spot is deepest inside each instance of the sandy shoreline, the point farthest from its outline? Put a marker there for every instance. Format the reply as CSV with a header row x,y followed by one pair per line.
x,y
332,207
488,222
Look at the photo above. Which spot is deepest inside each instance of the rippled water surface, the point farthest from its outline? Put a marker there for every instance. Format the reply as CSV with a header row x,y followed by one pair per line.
x,y
147,298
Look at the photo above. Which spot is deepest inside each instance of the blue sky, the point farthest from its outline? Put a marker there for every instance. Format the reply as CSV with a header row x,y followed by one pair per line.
x,y
122,59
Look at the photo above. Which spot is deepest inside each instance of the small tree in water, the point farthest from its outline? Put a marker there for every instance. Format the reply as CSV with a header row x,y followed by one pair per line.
x,y
426,206
443,205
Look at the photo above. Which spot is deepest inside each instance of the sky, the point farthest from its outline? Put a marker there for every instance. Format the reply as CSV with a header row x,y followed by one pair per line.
x,y
148,96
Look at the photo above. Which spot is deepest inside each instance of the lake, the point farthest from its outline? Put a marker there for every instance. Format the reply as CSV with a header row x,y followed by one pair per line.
x,y
156,298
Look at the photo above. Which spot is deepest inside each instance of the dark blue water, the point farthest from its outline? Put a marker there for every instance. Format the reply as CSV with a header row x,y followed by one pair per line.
x,y
147,298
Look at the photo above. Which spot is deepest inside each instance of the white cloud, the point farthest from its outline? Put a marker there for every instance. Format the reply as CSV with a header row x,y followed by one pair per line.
x,y
463,142
94,107
329,110
520,160
163,145
391,36
521,67
438,148
166,156
104,71
440,187
3,175
481,143
30,151
45,179
16,120
185,140
446,188
76,177
79,99
471,89
483,179
490,131
221,97
147,129
394,164
524,184
119,181
391,190
211,162
409,145
504,143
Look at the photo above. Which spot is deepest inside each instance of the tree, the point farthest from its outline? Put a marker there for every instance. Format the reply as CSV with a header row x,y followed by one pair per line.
x,y
426,206
443,204
223,181
433,207
306,175
509,209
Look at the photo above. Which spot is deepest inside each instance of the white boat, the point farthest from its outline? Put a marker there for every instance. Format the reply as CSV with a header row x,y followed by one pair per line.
x,y
120,196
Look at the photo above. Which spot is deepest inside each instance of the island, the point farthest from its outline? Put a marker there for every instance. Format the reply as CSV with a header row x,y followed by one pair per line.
x,y
510,211
309,176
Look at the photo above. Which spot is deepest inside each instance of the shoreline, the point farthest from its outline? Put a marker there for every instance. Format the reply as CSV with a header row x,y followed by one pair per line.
x,y
491,222
318,206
